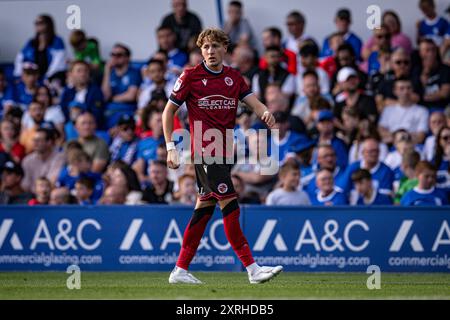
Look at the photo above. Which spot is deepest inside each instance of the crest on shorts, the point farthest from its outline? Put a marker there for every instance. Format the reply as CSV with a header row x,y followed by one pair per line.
x,y
177,85
229,81
222,188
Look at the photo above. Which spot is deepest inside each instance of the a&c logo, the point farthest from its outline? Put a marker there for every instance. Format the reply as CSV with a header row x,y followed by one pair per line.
x,y
4,230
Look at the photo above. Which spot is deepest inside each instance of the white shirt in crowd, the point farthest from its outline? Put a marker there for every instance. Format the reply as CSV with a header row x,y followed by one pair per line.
x,y
52,114
413,119
280,197
355,153
429,148
324,81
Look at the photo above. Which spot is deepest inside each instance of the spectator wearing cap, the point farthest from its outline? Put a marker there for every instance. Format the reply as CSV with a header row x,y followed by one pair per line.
x,y
343,21
288,194
42,191
433,75
52,112
185,23
286,138
45,161
367,193
120,85
295,23
352,97
426,193
275,73
9,140
328,194
382,175
81,90
27,87
326,159
147,147
302,107
327,135
404,115
400,64
124,145
302,152
346,57
158,84
37,113
237,27
95,147
288,59
309,55
46,50
436,122
11,191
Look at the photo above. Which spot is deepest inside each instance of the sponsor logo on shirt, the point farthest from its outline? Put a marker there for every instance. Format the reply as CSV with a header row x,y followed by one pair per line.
x,y
217,102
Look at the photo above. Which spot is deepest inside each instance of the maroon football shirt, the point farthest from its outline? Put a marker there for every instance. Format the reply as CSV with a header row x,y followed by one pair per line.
x,y
211,99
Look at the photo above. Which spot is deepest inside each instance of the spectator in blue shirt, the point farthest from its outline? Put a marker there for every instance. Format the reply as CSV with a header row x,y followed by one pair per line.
x,y
326,159
287,138
426,193
84,92
146,148
120,85
124,145
46,50
432,26
328,194
325,127
368,195
382,175
27,87
343,21
167,38
75,110
79,165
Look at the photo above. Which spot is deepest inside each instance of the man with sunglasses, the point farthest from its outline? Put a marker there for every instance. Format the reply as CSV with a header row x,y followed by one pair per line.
x,y
120,85
400,63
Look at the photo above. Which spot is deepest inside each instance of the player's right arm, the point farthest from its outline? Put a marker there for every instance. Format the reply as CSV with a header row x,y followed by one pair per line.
x,y
173,160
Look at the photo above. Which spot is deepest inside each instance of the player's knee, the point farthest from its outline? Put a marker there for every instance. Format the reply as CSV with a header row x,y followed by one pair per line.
x,y
202,214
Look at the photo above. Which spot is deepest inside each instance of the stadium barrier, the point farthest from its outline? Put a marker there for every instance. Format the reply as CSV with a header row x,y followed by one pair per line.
x,y
148,238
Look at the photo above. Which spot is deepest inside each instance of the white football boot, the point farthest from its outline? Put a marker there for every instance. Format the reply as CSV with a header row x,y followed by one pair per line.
x,y
179,275
264,274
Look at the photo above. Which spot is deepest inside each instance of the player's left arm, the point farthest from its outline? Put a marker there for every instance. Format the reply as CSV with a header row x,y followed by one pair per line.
x,y
260,110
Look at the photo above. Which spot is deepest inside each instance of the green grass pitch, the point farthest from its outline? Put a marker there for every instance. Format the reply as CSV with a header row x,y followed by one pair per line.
x,y
220,285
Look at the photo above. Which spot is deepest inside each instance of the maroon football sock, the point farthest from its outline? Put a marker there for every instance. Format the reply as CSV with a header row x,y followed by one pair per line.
x,y
192,235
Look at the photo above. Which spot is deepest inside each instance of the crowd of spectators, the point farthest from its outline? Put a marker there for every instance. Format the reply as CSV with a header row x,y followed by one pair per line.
x,y
361,121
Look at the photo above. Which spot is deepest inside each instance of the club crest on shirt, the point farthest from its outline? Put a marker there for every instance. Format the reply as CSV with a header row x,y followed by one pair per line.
x,y
177,85
222,188
229,81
